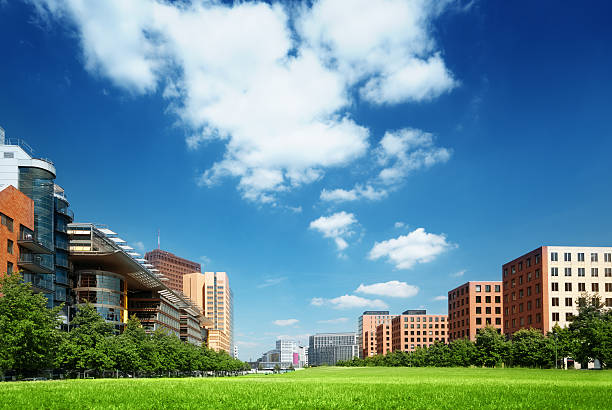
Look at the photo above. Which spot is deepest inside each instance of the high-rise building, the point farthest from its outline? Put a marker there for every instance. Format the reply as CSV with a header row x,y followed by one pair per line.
x,y
329,348
211,291
472,306
383,338
16,230
172,267
415,328
543,287
288,351
367,323
35,177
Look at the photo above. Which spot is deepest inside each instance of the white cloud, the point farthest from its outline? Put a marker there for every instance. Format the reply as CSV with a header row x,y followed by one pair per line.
x,y
458,274
139,246
350,302
358,192
271,282
407,150
285,322
275,84
393,288
407,250
399,225
440,298
336,226
334,321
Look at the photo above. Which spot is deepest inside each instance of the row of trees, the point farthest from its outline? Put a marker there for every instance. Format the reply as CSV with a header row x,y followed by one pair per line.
x,y
30,342
587,338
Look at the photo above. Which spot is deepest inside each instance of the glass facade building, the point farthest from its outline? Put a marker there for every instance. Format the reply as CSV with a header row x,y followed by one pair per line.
x,y
329,348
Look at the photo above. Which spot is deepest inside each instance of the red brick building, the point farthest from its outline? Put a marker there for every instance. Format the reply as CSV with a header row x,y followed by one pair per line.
x,y
172,267
383,338
16,228
415,328
472,306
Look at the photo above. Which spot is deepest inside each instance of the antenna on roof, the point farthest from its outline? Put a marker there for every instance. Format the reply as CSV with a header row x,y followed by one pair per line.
x,y
158,240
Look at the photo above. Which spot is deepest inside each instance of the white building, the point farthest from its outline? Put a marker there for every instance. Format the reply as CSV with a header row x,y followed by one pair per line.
x,y
235,355
287,349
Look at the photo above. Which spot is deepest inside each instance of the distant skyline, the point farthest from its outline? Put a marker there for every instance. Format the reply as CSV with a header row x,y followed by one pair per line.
x,y
332,158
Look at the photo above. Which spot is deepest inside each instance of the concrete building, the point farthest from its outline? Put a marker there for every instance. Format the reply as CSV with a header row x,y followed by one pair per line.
x,y
541,288
383,338
303,355
211,291
367,323
172,267
288,351
329,348
235,354
472,306
48,263
118,282
415,328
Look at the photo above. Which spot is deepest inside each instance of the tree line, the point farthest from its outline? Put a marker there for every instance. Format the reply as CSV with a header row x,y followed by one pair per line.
x,y
31,342
587,338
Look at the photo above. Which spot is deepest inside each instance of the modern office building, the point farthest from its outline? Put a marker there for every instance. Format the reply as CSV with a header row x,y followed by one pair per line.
x,y
542,287
35,178
303,355
383,338
211,291
288,351
16,231
367,323
109,274
472,306
172,267
329,348
415,328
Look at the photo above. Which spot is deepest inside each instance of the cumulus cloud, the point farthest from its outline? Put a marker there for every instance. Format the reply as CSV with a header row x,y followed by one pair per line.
x,y
358,192
393,288
440,298
273,83
337,226
407,250
285,322
458,274
349,302
334,321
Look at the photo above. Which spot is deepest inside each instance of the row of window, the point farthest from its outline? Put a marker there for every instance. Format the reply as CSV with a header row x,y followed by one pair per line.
x,y
431,319
464,322
567,257
581,272
521,293
418,326
554,287
488,299
522,321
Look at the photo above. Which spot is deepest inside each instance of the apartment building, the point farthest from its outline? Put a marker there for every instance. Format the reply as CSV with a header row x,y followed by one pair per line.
x,y
415,328
329,348
472,306
543,287
172,267
16,230
211,291
366,333
383,338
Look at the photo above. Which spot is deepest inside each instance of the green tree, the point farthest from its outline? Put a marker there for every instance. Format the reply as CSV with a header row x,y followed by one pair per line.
x,y
28,329
88,345
530,348
462,352
592,330
438,355
491,347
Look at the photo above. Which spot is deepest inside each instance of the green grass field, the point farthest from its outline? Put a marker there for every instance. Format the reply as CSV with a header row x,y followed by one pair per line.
x,y
330,387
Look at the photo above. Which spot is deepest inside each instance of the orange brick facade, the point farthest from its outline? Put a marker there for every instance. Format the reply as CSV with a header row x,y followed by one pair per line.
x,y
525,285
172,267
20,209
409,331
383,338
368,322
472,306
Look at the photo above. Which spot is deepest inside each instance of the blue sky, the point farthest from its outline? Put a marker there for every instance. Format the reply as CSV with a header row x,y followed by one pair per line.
x,y
309,150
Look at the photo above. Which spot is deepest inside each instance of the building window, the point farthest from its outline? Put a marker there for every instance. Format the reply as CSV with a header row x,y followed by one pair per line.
x,y
554,271
568,286
607,257
555,302
580,257
528,306
9,267
568,301
487,288
567,257
478,299
580,271
497,289
478,321
529,291
608,287
537,273
608,272
537,259
554,257
497,299
595,287
569,317
593,257
568,271
487,299
477,288
581,287
528,262
6,221
478,310
9,246
608,302
594,272
555,316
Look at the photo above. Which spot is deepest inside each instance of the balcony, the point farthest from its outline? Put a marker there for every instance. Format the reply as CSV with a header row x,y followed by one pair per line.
x,y
67,212
33,263
27,239
39,282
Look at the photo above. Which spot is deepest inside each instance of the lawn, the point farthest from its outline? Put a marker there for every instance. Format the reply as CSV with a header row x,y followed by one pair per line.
x,y
329,388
